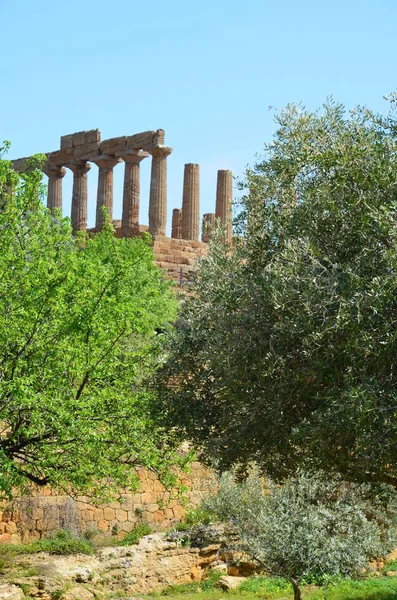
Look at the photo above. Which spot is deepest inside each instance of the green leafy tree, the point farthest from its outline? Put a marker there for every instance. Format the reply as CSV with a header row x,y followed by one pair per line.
x,y
307,528
80,320
285,353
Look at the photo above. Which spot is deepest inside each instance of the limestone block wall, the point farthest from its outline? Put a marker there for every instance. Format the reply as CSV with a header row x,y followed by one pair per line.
x,y
31,517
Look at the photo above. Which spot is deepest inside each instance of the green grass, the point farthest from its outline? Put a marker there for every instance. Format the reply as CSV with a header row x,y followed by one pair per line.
x,y
195,516
62,542
135,535
266,588
390,566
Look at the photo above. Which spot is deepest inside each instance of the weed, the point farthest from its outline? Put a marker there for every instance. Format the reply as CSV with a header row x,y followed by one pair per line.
x,y
207,584
135,535
195,516
390,566
62,542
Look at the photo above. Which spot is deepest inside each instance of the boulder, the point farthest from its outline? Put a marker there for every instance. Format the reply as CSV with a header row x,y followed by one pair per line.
x,y
227,582
11,592
77,593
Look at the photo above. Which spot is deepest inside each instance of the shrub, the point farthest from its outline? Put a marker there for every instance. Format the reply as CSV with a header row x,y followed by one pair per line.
x,y
305,528
195,516
135,535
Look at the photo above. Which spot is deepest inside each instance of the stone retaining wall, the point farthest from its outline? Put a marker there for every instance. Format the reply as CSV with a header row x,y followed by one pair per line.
x,y
31,517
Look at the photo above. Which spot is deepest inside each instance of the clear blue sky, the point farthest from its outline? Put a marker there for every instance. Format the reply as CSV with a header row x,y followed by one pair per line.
x,y
206,72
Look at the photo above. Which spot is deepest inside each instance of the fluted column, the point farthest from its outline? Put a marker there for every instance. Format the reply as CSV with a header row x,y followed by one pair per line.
x,y
131,193
176,231
224,199
54,196
158,190
191,202
208,226
80,169
106,163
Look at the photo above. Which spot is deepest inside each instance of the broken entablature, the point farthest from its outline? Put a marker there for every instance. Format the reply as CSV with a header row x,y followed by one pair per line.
x,y
78,150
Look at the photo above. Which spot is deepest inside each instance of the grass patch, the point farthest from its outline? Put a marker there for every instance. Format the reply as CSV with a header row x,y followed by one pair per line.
x,y
265,585
135,535
272,588
62,542
195,516
206,585
390,566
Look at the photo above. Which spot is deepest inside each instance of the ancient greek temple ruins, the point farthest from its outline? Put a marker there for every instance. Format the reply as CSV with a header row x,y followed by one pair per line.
x,y
78,150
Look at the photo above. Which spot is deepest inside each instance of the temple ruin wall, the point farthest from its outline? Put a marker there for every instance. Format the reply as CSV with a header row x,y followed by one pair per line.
x,y
77,152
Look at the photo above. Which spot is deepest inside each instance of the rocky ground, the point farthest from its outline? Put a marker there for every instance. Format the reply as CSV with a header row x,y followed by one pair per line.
x,y
157,561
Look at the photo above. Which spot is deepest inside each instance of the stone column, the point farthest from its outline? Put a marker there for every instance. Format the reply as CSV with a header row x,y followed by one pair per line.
x,y
208,226
176,231
191,202
131,193
54,196
224,198
158,190
80,169
106,163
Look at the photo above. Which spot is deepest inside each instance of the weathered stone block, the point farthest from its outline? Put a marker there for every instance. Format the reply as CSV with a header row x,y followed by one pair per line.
x,y
103,525
86,151
59,159
98,514
92,136
127,526
146,498
109,513
79,138
148,517
121,515
88,515
66,141
141,141
113,145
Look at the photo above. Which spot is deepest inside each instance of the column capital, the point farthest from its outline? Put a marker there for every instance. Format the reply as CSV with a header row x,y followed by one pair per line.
x,y
105,161
132,156
160,151
54,171
79,166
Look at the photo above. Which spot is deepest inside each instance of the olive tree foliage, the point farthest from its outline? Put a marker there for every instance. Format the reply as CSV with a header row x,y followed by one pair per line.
x,y
305,528
285,352
78,323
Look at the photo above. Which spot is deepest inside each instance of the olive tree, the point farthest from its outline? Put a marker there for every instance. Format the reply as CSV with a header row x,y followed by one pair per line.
x,y
306,527
285,351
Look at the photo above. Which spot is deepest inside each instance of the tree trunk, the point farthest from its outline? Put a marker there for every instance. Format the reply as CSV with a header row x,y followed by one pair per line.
x,y
297,590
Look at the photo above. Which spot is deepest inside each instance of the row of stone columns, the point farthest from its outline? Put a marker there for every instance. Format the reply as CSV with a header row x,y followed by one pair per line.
x,y
185,221
131,195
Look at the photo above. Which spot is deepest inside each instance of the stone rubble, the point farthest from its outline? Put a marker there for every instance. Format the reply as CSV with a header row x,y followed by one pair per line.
x,y
154,563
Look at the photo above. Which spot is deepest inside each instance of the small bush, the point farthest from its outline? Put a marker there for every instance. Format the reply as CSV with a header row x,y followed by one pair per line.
x,y
62,542
195,516
135,535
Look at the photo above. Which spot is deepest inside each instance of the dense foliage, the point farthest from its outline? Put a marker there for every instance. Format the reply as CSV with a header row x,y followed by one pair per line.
x,y
285,353
304,529
78,323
